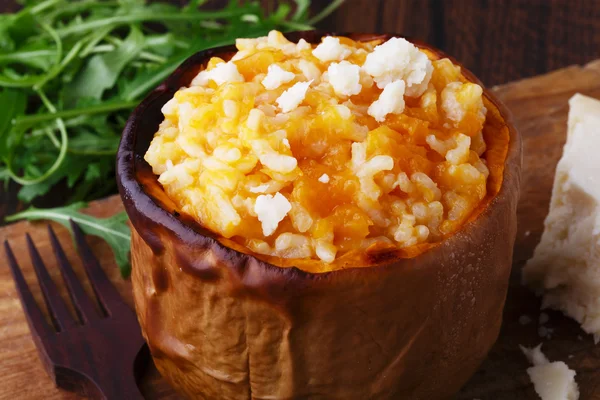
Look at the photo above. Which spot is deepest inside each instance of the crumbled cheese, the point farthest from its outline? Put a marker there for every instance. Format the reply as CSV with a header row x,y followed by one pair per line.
x,y
292,97
170,108
566,262
551,380
398,59
222,73
344,77
271,210
391,101
303,45
331,49
276,76
324,178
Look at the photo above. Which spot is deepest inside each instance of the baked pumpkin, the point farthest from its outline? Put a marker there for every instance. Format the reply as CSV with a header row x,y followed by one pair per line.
x,y
230,313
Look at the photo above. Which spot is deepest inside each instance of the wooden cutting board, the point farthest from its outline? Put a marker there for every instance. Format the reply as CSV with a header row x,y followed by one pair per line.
x,y
539,107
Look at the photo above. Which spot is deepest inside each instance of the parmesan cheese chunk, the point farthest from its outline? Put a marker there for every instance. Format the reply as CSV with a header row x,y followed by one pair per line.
x,y
324,178
344,77
331,49
291,98
222,73
303,45
398,59
271,210
276,76
391,101
566,263
551,380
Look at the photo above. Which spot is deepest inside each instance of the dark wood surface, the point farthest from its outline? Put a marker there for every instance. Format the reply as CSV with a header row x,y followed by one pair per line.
x,y
499,40
539,107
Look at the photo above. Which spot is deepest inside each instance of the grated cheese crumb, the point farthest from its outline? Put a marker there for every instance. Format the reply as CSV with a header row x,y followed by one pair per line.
x,y
303,45
330,49
276,76
391,101
292,97
344,77
222,73
398,59
551,380
324,178
271,210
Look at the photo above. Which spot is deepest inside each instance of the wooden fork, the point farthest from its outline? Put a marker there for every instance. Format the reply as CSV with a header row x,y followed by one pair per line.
x,y
97,355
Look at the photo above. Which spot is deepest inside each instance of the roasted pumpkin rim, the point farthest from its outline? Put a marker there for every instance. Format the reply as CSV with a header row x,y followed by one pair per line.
x,y
136,181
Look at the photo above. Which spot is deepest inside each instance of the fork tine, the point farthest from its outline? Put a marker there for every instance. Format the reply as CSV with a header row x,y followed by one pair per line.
x,y
56,306
35,318
103,287
81,301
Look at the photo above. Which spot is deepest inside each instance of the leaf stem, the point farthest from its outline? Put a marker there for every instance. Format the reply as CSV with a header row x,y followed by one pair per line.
x,y
147,16
64,145
45,214
97,109
57,70
325,12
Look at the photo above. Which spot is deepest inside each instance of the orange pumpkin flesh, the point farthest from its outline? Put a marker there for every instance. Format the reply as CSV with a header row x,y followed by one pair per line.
x,y
402,323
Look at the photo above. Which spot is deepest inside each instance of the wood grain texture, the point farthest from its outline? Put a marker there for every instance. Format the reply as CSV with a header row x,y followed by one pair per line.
x,y
539,107
498,40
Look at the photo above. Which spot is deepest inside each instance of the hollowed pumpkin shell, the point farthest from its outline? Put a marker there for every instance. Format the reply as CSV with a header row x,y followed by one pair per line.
x,y
223,324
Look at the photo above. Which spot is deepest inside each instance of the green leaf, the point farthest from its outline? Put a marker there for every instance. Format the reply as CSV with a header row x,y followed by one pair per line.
x,y
29,192
36,55
102,71
301,9
114,230
194,5
13,104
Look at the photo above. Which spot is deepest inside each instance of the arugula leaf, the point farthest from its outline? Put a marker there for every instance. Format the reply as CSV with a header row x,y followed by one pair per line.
x,y
13,104
29,192
102,71
114,230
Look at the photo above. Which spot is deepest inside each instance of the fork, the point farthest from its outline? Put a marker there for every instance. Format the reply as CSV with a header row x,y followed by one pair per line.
x,y
95,355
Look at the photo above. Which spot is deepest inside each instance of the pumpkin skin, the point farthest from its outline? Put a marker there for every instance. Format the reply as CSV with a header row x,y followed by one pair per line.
x,y
224,324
